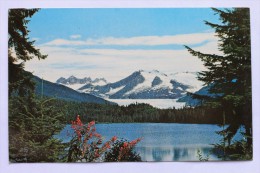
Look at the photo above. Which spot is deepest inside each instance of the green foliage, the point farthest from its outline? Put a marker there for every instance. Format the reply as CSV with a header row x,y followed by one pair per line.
x,y
201,157
20,50
238,150
107,113
230,74
114,152
18,35
32,124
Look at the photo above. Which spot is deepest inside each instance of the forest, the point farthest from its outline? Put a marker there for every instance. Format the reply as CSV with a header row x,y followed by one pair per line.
x,y
136,113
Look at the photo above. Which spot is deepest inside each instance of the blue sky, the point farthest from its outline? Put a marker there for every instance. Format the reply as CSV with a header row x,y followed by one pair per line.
x,y
95,23
112,43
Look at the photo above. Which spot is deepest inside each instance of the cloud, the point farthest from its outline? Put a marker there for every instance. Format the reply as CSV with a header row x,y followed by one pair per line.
x,y
114,64
75,36
155,40
63,42
182,39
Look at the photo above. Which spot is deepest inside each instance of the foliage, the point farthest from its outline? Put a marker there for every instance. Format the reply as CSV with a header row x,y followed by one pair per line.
x,y
139,112
230,74
20,49
201,157
122,150
237,150
32,121
87,145
32,124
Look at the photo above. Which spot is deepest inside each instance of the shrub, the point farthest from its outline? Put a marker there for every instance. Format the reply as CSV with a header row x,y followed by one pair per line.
x,y
87,145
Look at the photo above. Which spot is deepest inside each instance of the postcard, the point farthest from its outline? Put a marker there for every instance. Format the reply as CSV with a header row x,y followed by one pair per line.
x,y
129,85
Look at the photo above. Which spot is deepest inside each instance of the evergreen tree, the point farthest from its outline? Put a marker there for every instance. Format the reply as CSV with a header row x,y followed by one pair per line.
x,y
229,75
32,122
20,50
32,126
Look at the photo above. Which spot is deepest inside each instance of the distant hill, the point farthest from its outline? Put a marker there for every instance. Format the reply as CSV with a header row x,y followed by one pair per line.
x,y
62,92
204,91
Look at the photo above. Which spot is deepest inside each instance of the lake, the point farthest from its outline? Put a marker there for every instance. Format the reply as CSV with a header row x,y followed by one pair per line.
x,y
162,141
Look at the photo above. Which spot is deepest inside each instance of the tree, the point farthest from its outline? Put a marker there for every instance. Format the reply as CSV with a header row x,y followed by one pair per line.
x,y
20,50
32,126
229,75
32,121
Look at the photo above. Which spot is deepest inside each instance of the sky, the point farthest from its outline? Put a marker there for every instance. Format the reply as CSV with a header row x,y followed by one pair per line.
x,y
114,42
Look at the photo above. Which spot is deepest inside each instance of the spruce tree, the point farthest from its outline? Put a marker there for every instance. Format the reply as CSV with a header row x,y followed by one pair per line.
x,y
20,50
32,121
229,75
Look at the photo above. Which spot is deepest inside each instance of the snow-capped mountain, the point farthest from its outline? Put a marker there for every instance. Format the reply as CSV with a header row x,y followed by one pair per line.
x,y
76,83
188,78
140,85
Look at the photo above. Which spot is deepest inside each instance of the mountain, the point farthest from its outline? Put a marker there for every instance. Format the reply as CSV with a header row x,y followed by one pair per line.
x,y
76,83
189,101
204,91
62,92
188,78
140,85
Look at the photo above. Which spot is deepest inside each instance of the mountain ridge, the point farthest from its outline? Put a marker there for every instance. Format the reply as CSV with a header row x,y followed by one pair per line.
x,y
140,84
47,88
75,83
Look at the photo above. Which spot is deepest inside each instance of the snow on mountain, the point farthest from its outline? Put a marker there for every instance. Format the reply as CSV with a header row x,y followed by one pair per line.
x,y
153,80
73,86
189,79
99,81
114,90
76,83
140,85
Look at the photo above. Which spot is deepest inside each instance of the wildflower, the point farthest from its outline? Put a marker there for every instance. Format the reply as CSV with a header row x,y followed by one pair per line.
x,y
107,145
90,142
97,135
91,123
114,138
125,144
134,142
90,135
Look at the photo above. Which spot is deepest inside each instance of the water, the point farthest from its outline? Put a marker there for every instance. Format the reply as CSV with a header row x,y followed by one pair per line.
x,y
162,141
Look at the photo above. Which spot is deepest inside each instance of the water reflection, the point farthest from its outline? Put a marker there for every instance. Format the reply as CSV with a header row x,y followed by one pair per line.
x,y
174,153
162,141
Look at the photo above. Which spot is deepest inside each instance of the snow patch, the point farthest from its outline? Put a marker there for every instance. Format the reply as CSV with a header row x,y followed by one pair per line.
x,y
188,78
73,86
148,79
114,90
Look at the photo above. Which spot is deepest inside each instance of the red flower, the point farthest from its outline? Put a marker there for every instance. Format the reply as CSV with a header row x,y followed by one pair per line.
x,y
97,135
91,123
134,142
107,145
114,139
125,144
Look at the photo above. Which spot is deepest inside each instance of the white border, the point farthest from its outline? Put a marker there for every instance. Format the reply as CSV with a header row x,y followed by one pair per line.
x,y
184,167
